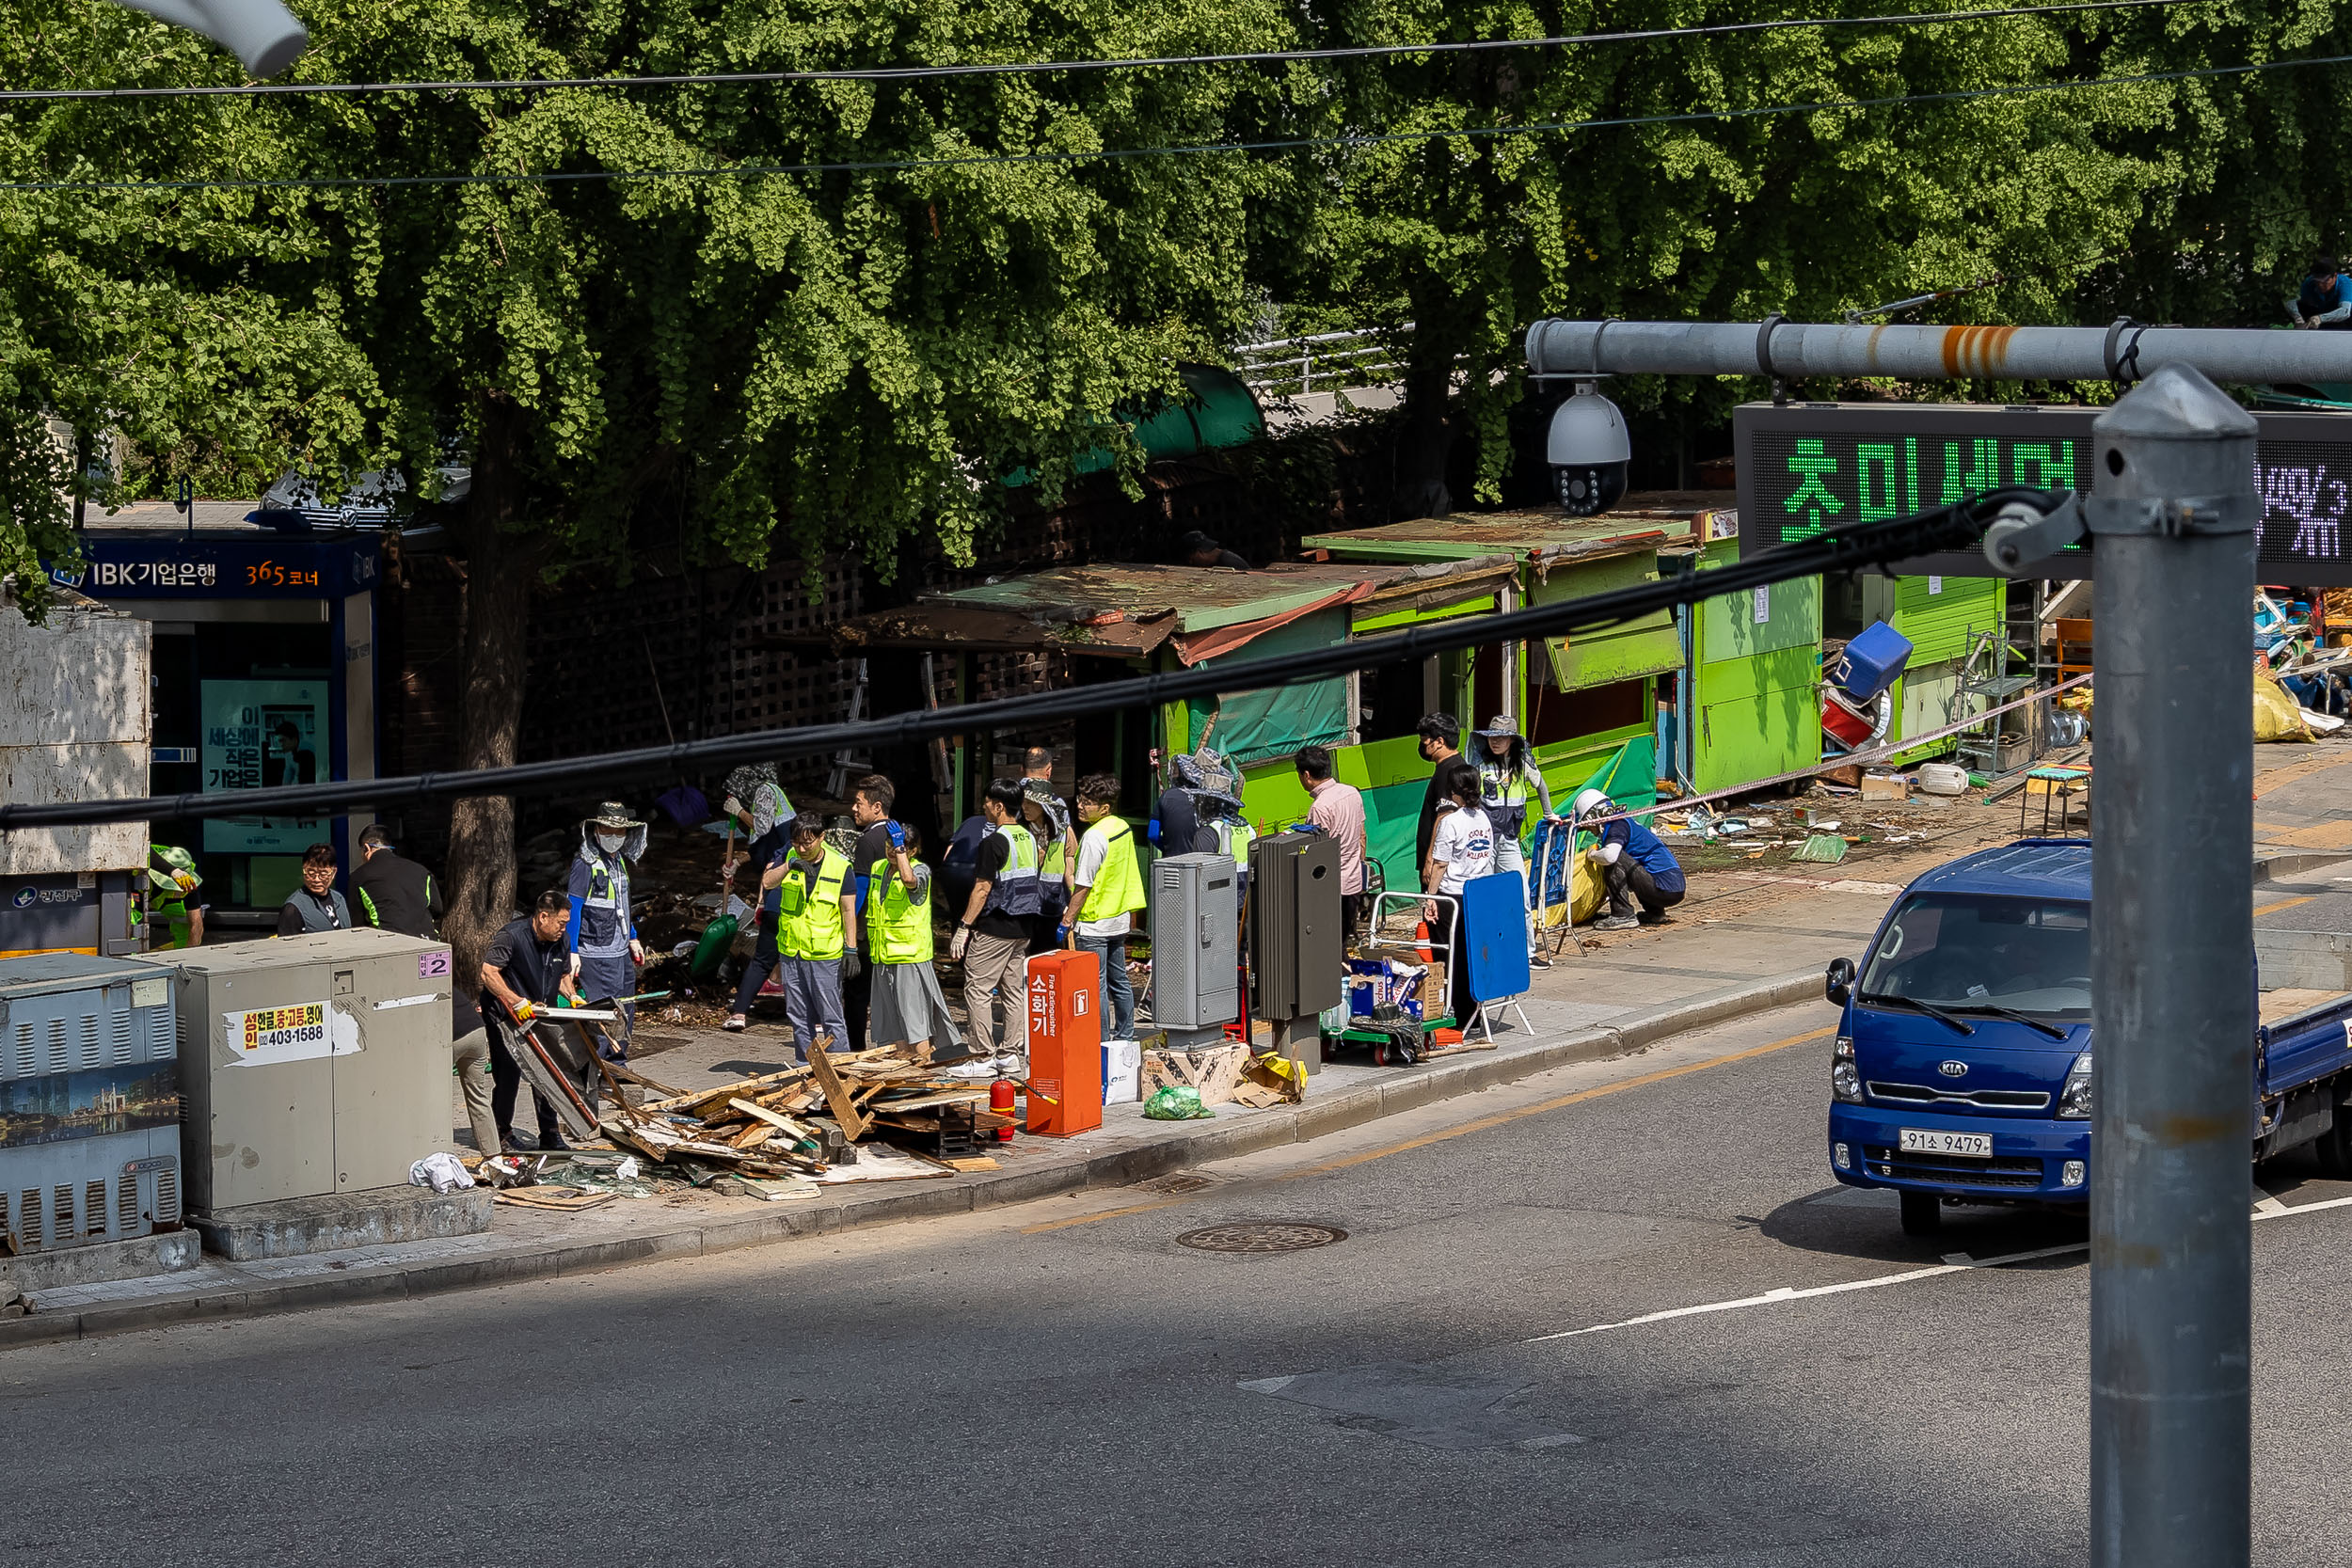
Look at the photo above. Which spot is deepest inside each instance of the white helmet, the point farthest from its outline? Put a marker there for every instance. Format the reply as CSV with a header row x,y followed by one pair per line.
x,y
1589,802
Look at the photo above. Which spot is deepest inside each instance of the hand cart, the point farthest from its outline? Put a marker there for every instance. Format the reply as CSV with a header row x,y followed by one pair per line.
x,y
1396,1037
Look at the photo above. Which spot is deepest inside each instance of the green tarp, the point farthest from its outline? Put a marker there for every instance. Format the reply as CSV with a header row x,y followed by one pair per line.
x,y
1252,726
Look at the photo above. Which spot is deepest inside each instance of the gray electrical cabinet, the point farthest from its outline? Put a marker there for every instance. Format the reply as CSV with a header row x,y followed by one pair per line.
x,y
311,1064
1298,953
89,1101
1194,916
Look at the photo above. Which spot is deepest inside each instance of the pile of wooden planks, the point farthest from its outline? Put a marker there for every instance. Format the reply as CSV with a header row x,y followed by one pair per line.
x,y
801,1120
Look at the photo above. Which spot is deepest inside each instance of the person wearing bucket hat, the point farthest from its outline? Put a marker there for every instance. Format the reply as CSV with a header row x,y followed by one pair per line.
x,y
602,932
1635,867
1508,779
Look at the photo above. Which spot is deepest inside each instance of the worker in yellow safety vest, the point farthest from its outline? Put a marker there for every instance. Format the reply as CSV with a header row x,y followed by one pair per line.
x,y
816,938
1107,890
908,1007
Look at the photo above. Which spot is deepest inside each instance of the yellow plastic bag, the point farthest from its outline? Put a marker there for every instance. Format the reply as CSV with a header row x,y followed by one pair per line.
x,y
1585,892
2277,716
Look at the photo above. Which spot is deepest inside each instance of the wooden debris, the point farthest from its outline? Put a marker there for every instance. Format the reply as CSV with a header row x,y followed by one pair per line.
x,y
845,1111
567,1199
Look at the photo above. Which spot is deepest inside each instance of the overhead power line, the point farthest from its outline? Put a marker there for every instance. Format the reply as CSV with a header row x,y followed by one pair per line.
x,y
1879,544
744,171
1023,68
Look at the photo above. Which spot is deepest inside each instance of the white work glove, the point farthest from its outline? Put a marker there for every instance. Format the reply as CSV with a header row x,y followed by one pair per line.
x,y
956,943
732,808
637,951
575,966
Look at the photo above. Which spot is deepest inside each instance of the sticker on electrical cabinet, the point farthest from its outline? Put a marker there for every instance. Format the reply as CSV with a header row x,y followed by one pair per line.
x,y
151,993
299,1032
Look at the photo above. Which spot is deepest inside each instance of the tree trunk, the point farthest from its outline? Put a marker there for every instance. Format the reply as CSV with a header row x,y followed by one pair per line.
x,y
1425,441
502,562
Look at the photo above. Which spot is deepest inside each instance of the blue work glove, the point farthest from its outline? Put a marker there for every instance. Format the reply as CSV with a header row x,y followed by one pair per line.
x,y
898,836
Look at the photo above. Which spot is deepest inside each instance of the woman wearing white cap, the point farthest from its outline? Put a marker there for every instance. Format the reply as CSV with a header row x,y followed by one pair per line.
x,y
1508,779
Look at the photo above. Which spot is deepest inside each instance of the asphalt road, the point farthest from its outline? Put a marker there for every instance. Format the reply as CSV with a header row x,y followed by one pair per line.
x,y
1066,1382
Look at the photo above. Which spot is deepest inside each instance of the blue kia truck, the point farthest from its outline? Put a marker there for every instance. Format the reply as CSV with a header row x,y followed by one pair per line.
x,y
1963,1070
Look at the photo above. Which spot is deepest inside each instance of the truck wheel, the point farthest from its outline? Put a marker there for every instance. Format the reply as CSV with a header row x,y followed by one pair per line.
x,y
2334,1147
1923,1213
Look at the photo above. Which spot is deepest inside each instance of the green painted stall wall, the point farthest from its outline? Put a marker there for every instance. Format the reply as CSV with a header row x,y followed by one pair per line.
x,y
1396,780
1938,613
1756,697
1644,647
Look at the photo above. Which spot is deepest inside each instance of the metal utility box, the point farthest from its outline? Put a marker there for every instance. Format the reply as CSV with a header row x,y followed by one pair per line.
x,y
311,1064
1194,913
89,1104
1297,943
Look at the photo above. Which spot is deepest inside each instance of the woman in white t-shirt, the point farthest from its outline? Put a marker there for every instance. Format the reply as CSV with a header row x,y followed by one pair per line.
x,y
1461,848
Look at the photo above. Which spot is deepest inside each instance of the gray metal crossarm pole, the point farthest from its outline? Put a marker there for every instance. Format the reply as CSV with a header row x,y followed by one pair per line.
x,y
2173,1008
1791,349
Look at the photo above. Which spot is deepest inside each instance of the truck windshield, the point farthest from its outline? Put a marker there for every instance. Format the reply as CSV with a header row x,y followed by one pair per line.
x,y
1963,951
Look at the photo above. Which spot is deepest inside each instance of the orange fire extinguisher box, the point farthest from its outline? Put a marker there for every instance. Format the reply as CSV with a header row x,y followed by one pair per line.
x,y
1065,1044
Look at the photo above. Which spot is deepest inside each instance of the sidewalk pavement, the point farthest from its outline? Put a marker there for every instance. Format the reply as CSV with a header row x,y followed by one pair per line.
x,y
1744,940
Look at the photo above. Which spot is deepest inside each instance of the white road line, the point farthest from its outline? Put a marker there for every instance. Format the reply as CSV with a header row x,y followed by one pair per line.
x,y
1954,1262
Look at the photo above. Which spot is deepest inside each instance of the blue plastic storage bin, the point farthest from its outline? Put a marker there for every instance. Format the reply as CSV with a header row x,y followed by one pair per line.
x,y
1872,661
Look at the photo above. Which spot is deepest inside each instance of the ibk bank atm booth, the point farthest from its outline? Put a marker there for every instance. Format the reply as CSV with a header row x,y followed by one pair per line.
x,y
265,675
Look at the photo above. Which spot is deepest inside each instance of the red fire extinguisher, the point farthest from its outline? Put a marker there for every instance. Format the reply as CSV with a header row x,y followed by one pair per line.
x,y
1000,1103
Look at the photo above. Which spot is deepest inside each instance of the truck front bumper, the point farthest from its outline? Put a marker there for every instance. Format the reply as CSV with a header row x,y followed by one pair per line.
x,y
2029,1163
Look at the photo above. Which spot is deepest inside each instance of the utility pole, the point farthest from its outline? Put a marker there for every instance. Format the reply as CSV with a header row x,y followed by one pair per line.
x,y
2173,517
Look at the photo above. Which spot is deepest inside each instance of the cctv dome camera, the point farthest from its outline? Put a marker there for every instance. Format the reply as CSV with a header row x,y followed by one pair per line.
x,y
1588,450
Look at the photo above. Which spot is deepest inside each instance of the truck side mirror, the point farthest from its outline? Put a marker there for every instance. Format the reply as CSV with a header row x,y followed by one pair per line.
x,y
1840,981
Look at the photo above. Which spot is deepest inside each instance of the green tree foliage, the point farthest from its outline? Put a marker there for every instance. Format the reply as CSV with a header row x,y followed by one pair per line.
x,y
1470,236
755,363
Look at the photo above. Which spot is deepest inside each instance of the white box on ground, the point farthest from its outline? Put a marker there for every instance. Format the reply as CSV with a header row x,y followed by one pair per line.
x,y
1123,1072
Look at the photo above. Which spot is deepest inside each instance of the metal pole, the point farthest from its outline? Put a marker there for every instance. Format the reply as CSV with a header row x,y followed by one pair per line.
x,y
2172,1005
1793,350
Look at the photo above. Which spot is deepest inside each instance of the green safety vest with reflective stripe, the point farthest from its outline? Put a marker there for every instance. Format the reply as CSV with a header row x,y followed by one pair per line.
x,y
902,927
811,928
1119,886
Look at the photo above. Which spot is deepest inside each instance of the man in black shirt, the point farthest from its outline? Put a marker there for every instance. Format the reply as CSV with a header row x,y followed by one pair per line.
x,y
992,941
1440,741
870,799
393,894
526,967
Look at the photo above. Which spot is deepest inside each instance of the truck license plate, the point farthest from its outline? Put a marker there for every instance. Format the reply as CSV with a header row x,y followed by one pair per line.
x,y
1976,1146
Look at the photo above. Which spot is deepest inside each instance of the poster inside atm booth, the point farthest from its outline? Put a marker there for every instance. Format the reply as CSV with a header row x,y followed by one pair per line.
x,y
263,734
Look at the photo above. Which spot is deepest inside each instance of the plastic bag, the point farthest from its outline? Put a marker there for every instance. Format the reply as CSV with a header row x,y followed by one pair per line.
x,y
1175,1104
441,1172
2277,716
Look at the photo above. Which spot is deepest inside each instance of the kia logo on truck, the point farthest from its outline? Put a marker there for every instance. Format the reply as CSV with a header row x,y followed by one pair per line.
x,y
1952,1070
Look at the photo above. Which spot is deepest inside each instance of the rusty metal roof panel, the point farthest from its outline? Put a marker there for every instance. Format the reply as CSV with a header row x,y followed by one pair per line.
x,y
1200,600
1522,534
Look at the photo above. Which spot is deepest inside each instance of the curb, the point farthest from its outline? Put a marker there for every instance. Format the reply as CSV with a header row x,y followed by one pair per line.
x,y
2279,867
1122,1168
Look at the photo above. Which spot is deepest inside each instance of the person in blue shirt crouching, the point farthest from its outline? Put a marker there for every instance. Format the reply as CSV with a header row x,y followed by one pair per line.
x,y
1635,867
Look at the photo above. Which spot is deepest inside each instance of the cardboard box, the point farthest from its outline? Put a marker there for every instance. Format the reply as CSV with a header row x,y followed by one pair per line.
x,y
1214,1070
1886,786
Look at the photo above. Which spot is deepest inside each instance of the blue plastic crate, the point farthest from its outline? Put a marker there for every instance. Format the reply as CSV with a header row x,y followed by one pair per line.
x,y
1872,661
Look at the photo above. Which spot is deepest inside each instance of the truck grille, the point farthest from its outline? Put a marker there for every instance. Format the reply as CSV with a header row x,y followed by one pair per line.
x,y
1984,1100
2023,1171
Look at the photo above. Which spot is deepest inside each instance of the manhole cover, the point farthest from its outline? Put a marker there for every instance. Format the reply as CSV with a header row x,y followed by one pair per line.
x,y
1261,1236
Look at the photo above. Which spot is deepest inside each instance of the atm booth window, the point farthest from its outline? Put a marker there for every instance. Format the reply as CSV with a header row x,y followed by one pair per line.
x,y
251,707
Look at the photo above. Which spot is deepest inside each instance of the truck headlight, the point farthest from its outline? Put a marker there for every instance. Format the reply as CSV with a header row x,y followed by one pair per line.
x,y
1841,1050
2074,1098
1846,1083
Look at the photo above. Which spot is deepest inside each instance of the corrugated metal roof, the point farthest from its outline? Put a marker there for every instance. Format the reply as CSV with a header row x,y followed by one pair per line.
x,y
1646,521
1200,599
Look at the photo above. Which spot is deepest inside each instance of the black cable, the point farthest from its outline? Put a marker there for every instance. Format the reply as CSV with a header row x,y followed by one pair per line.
x,y
1946,528
1010,67
735,172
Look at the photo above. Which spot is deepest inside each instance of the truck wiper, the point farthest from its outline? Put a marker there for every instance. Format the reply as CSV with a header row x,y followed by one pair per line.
x,y
2014,1016
1887,999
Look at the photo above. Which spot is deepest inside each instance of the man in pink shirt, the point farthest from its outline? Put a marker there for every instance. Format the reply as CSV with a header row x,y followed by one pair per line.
x,y
1339,812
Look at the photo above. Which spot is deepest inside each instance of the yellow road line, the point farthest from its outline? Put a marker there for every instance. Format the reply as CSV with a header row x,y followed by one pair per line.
x,y
2284,904
1502,1118
1499,1120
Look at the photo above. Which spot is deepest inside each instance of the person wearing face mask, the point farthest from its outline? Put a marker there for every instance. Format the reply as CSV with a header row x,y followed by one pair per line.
x,y
602,932
1508,782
